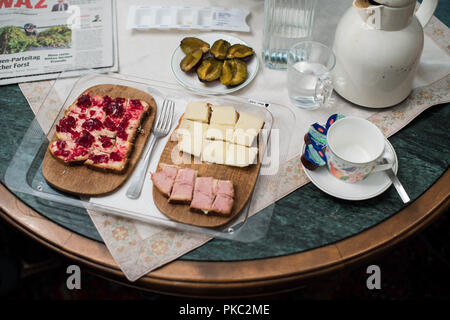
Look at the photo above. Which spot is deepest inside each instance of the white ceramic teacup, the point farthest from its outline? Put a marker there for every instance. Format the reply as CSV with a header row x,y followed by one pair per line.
x,y
355,149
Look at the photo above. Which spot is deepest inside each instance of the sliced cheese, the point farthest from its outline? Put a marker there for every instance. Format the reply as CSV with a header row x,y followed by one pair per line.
x,y
220,132
248,121
197,111
214,151
224,115
240,156
247,129
191,146
244,137
191,136
189,127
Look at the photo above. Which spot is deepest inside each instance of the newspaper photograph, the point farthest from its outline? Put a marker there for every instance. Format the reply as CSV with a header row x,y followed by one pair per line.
x,y
41,38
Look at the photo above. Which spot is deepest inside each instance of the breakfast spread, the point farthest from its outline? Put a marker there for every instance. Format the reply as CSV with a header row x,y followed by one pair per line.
x,y
221,61
98,131
219,134
203,194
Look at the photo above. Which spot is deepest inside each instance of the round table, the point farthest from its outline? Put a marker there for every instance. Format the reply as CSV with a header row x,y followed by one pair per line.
x,y
240,278
300,246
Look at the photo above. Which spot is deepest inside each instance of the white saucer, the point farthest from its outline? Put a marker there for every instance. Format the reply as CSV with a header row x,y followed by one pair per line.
x,y
190,79
374,185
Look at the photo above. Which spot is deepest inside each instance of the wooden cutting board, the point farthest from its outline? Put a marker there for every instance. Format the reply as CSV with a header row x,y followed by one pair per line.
x,y
82,180
244,180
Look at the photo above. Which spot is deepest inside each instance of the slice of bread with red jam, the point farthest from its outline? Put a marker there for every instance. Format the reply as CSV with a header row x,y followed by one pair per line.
x,y
99,131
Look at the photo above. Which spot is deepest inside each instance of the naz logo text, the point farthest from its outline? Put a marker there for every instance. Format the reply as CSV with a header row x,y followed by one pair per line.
x,y
28,4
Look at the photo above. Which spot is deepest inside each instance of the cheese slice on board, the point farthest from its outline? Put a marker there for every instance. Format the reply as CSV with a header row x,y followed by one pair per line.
x,y
220,132
247,129
191,137
224,115
240,156
249,121
214,151
197,111
244,137
189,127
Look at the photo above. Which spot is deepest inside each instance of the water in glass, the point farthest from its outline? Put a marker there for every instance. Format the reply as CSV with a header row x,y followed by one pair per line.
x,y
302,80
309,74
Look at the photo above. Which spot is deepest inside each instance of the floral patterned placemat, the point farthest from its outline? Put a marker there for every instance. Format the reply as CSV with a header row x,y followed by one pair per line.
x,y
139,248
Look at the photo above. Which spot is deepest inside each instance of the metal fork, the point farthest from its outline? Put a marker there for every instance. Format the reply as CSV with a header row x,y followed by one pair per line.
x,y
160,129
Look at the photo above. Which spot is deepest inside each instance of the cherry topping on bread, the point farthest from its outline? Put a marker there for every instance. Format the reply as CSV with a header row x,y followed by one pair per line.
x,y
92,124
66,124
115,156
86,139
84,101
106,142
99,158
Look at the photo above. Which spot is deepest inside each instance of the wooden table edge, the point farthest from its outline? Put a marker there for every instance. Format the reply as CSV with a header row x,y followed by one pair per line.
x,y
241,278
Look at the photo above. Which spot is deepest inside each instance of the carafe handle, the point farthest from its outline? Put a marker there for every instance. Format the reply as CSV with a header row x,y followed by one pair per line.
x,y
425,11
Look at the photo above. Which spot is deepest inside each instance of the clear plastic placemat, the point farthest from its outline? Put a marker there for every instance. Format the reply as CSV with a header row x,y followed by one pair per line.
x,y
24,173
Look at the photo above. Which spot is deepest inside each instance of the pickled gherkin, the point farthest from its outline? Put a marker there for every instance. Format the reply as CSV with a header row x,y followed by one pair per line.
x,y
191,60
239,51
227,72
209,70
191,44
219,49
234,72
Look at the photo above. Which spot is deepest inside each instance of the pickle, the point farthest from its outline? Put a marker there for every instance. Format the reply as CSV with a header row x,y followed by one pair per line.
x,y
227,72
219,49
191,60
191,44
209,70
239,51
234,72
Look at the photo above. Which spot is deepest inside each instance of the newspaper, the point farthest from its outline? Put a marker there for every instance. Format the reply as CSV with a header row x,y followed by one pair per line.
x,y
41,38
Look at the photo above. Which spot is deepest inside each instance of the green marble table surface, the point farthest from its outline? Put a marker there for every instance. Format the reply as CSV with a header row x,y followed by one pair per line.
x,y
305,219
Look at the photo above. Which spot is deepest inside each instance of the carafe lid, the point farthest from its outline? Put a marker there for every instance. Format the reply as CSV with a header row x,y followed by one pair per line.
x,y
393,3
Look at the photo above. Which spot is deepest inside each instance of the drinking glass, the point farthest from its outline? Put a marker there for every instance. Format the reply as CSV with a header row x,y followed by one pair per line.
x,y
285,23
309,81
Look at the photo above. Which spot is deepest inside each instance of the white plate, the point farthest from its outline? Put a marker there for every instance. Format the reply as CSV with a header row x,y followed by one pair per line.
x,y
374,185
190,80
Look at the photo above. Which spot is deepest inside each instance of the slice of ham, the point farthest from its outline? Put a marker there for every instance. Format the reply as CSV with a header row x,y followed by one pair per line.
x,y
223,203
164,179
183,186
204,194
225,187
